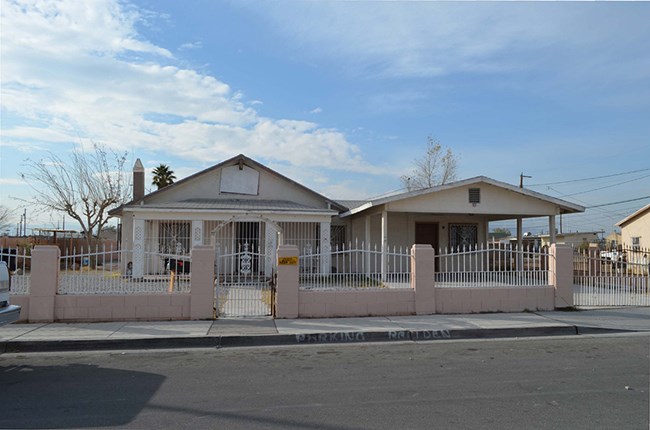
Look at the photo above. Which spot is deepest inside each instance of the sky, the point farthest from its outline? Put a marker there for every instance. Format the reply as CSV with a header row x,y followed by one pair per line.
x,y
337,95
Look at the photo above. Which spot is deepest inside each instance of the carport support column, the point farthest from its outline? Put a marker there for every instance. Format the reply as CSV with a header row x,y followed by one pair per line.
x,y
367,246
202,283
384,245
551,229
287,286
138,248
520,242
325,249
560,274
422,268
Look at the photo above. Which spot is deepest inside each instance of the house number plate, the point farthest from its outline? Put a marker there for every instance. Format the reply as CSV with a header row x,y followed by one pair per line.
x,y
288,261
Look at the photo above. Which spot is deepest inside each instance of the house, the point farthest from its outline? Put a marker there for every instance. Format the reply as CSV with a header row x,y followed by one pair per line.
x,y
574,239
635,229
243,208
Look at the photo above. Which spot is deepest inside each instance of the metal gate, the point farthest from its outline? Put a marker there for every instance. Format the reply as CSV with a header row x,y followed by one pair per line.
x,y
245,268
611,278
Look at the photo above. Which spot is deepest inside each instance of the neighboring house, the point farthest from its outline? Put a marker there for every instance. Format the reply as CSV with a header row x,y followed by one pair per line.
x,y
613,241
241,203
635,229
575,239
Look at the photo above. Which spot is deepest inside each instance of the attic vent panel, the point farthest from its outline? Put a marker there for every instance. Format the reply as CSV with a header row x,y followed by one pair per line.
x,y
240,180
475,195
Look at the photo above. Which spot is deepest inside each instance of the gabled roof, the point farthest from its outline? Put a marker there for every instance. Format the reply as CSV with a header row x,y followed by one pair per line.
x,y
241,158
565,207
634,215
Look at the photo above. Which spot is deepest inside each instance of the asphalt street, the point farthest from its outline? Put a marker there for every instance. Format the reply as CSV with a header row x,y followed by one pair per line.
x,y
588,382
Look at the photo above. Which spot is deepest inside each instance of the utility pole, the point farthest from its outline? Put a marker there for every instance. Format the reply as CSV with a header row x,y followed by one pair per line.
x,y
521,179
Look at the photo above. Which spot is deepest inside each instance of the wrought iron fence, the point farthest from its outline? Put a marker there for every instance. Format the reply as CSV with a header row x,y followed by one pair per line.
x,y
611,278
491,266
19,262
356,266
109,270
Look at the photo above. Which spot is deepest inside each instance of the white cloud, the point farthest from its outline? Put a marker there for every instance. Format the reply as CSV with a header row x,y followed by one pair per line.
x,y
69,69
190,45
316,110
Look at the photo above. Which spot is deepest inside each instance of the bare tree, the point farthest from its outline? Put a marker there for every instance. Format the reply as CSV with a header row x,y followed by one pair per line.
x,y
86,188
5,218
434,168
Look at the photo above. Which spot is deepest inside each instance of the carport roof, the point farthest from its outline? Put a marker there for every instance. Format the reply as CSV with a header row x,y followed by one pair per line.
x,y
564,206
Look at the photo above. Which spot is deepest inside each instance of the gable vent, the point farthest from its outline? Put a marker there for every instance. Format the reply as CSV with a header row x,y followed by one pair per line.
x,y
475,195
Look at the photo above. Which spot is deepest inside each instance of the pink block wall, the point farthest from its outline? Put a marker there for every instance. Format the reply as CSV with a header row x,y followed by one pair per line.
x,y
324,304
475,300
122,308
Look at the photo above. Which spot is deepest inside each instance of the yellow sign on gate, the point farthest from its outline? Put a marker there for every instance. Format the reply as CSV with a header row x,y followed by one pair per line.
x,y
287,261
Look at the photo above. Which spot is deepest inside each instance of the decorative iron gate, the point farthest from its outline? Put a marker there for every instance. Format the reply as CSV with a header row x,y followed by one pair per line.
x,y
245,268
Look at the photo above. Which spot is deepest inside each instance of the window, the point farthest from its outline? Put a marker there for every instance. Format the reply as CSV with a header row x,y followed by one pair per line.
x,y
636,242
174,237
463,236
475,195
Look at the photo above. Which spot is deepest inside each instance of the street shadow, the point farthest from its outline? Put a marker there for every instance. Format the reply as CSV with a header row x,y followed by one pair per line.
x,y
73,396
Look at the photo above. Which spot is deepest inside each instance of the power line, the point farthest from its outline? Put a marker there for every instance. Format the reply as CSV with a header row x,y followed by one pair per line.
x,y
589,179
607,186
618,203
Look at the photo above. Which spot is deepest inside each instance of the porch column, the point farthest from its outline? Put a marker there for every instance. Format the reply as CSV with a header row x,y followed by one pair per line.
x,y
197,233
270,247
520,242
138,248
325,248
367,243
551,229
384,244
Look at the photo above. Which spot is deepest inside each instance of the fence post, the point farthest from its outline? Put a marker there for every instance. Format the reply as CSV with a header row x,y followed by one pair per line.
x,y
561,274
44,283
422,272
288,284
594,260
202,283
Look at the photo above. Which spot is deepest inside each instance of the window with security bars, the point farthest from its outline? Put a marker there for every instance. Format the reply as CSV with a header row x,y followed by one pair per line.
x,y
463,236
174,237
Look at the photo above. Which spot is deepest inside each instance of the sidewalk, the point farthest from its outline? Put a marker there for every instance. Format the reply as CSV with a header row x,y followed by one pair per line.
x,y
266,331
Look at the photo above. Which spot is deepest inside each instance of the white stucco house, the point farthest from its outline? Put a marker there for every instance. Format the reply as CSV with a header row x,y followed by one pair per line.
x,y
242,203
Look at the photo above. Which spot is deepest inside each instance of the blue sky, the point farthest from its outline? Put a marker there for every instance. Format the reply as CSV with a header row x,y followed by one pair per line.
x,y
339,96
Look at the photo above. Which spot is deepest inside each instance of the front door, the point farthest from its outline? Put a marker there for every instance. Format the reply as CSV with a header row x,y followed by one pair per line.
x,y
426,233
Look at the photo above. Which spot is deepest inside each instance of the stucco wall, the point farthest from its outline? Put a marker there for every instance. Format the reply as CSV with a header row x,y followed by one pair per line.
x,y
316,304
207,186
638,227
401,227
494,200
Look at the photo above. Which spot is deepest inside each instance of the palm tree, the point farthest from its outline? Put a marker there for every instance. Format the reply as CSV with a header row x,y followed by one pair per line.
x,y
163,176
